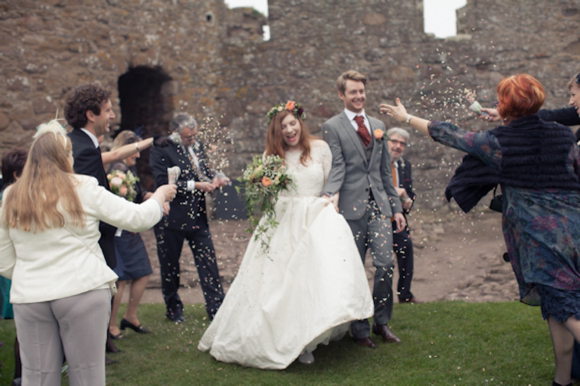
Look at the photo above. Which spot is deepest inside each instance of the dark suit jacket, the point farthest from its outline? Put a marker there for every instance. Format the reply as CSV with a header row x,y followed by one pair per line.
x,y
405,181
187,211
88,161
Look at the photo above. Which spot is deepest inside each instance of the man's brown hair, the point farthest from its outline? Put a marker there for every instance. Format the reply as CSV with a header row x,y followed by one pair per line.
x,y
349,75
87,96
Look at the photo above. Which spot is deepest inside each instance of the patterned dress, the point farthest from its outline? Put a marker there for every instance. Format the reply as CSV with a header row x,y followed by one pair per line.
x,y
541,227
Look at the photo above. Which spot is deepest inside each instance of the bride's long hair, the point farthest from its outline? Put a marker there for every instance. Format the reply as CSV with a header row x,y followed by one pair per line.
x,y
45,192
275,144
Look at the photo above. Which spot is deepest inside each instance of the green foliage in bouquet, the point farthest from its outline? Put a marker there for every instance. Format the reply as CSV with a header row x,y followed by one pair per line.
x,y
123,184
262,182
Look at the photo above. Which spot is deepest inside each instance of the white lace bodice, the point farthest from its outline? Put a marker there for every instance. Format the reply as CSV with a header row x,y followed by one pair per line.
x,y
309,178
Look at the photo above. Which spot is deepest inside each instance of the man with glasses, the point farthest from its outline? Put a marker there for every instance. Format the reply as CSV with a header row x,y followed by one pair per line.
x,y
187,219
403,182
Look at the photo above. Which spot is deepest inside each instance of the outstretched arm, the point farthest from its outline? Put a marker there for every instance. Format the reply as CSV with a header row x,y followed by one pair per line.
x,y
399,112
567,116
125,151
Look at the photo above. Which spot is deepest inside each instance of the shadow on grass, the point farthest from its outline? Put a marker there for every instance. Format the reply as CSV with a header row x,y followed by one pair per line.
x,y
442,343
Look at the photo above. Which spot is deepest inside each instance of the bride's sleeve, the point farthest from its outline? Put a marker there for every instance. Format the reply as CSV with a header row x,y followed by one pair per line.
x,y
326,156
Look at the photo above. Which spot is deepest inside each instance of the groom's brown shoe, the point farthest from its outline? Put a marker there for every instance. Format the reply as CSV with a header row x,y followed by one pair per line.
x,y
384,331
365,342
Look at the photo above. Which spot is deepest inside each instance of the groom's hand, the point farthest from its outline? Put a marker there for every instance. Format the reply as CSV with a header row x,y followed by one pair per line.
x,y
400,221
332,200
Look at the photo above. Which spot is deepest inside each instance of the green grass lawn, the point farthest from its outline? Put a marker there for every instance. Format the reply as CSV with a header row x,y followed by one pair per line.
x,y
442,343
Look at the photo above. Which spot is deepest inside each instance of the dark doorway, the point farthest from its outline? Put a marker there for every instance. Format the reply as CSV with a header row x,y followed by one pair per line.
x,y
146,108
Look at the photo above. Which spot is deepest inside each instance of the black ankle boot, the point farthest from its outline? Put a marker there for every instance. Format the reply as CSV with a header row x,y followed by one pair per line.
x,y
554,383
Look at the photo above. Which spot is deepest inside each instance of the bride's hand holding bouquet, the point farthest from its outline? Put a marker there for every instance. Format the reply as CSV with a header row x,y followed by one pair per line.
x,y
262,182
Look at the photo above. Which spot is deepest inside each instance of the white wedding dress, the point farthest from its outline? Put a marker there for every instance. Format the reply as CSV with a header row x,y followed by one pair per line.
x,y
308,288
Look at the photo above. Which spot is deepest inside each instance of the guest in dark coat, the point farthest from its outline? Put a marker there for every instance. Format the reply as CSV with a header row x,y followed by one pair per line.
x,y
187,219
403,182
537,164
88,110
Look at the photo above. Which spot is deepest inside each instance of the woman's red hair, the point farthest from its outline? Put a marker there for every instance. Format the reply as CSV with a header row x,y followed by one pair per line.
x,y
275,144
519,95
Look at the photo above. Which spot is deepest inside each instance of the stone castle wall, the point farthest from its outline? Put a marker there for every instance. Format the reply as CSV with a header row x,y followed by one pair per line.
x,y
219,67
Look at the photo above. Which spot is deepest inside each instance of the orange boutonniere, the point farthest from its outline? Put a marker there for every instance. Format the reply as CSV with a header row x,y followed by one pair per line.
x,y
379,134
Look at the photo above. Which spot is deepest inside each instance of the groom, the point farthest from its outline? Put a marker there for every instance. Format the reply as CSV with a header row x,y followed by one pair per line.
x,y
361,173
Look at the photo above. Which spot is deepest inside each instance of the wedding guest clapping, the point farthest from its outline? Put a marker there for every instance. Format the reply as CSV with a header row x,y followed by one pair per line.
x,y
61,284
307,285
538,166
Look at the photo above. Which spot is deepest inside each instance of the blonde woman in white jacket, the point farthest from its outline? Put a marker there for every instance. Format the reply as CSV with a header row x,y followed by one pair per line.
x,y
61,285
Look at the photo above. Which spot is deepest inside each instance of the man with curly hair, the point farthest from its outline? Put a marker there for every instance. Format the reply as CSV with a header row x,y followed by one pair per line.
x,y
89,111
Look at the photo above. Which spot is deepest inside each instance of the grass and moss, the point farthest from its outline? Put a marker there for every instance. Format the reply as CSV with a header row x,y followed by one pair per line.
x,y
449,343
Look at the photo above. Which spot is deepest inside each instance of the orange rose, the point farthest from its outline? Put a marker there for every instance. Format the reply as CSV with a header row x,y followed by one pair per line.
x,y
123,191
266,181
379,134
290,105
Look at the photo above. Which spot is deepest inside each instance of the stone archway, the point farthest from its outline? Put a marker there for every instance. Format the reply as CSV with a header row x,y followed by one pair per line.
x,y
146,107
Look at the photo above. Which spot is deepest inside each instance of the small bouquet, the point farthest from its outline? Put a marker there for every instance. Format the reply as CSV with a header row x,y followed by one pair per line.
x,y
123,184
262,181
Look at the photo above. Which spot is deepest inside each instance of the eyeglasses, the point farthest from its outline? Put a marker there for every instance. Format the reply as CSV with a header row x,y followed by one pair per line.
x,y
404,144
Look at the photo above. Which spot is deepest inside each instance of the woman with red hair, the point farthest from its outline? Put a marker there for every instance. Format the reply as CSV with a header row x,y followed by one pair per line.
x,y
310,284
537,165
567,116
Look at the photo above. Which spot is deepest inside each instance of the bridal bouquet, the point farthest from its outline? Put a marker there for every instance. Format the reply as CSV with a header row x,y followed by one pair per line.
x,y
262,181
123,184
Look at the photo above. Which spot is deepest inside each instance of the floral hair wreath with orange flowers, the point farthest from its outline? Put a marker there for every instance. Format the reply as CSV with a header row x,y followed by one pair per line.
x,y
291,106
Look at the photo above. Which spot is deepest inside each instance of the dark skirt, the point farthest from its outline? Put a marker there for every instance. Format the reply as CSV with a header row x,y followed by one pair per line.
x,y
132,259
559,304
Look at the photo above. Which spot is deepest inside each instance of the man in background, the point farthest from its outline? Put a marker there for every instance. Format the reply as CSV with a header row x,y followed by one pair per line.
x,y
403,182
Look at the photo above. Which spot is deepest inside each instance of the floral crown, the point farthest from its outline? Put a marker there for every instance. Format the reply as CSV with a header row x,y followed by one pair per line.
x,y
291,106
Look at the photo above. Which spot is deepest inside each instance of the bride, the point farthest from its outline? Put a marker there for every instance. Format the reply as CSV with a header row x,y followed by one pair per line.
x,y
311,284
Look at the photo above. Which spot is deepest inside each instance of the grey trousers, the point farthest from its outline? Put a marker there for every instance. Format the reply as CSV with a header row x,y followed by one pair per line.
x,y
71,327
374,231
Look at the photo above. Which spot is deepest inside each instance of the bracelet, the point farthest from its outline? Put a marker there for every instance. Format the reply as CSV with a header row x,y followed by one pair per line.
x,y
137,146
408,120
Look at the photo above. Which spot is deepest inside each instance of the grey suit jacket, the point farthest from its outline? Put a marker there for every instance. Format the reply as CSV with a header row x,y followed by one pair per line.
x,y
352,175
